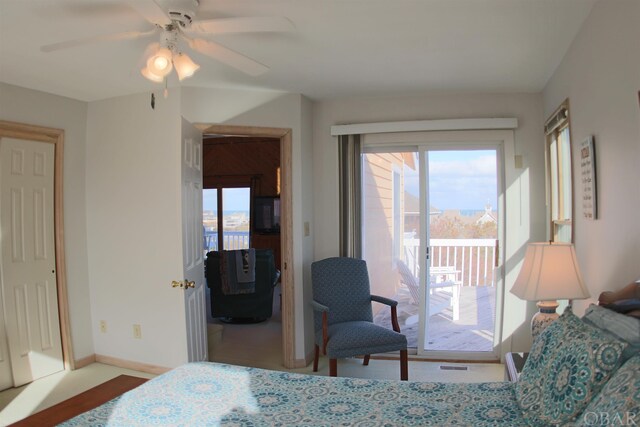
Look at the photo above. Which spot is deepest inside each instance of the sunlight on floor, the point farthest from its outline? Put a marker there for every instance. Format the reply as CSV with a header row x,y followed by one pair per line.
x,y
25,399
18,403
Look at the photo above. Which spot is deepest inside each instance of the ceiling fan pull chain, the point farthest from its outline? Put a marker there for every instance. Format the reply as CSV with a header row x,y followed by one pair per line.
x,y
166,90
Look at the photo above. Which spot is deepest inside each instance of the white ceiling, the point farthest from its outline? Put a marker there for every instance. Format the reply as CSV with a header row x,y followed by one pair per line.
x,y
341,47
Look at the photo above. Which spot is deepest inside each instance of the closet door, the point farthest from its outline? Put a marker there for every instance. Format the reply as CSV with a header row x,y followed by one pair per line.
x,y
28,259
6,378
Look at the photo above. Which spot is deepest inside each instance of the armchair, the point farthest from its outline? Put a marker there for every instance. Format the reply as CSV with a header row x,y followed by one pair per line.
x,y
243,308
343,318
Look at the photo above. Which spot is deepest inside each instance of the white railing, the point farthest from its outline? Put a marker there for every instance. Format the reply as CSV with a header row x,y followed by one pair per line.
x,y
232,240
472,259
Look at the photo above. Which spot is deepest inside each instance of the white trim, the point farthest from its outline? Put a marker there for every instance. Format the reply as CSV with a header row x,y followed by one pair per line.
x,y
425,125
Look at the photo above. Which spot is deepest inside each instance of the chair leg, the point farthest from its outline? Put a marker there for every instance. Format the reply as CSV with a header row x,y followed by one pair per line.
x,y
365,362
315,359
404,365
333,367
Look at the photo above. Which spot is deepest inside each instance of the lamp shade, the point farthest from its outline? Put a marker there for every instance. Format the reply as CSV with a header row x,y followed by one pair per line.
x,y
550,271
184,66
159,63
149,75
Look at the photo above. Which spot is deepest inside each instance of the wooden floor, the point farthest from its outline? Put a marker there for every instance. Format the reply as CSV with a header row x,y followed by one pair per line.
x,y
82,402
473,331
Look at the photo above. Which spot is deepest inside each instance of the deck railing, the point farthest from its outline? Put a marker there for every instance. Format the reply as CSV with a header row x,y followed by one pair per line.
x,y
472,259
232,240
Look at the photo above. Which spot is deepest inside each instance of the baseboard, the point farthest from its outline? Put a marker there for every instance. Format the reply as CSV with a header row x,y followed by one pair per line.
x,y
129,364
85,361
303,363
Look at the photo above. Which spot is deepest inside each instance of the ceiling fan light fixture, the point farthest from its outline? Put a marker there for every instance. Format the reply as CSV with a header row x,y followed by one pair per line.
x,y
150,76
185,67
160,62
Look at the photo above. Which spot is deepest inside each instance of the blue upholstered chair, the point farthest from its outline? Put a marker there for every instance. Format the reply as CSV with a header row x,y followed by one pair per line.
x,y
343,318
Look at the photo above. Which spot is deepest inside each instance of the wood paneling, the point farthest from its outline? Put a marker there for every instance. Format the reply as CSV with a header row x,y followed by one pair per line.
x,y
234,161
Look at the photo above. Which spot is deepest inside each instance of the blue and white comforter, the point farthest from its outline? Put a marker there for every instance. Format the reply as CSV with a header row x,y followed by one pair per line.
x,y
212,394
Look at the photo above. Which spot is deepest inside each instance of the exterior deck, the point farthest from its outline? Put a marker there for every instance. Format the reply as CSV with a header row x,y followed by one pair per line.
x,y
473,331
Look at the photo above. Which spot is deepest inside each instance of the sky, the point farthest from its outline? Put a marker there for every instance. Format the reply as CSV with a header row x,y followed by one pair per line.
x,y
459,179
233,199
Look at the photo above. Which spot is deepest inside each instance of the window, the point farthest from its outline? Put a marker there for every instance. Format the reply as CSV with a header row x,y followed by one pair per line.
x,y
226,218
559,180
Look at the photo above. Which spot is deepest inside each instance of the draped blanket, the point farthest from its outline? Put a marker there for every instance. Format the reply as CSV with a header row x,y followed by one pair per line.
x,y
238,271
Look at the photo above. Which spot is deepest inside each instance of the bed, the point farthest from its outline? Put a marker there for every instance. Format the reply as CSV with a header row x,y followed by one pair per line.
x,y
585,380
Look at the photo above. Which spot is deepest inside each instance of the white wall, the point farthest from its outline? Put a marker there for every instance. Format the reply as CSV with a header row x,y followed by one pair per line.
x,y
271,109
134,228
600,74
529,142
38,108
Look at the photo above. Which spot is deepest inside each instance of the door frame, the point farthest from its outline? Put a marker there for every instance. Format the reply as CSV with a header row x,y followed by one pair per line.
x,y
286,230
52,136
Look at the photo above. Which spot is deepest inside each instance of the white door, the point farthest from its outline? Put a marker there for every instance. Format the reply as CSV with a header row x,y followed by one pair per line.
x,y
192,237
28,260
6,378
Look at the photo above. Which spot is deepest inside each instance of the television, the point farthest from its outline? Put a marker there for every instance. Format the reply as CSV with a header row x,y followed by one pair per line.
x,y
266,214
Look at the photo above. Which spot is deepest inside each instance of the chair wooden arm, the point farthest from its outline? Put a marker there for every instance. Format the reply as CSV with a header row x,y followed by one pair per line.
x,y
325,331
387,301
325,323
394,312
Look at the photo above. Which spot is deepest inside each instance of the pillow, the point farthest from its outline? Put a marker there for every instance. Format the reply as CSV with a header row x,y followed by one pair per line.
x,y
624,305
624,327
619,401
568,364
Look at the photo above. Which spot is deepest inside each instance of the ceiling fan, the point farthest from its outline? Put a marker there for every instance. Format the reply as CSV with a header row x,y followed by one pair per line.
x,y
177,24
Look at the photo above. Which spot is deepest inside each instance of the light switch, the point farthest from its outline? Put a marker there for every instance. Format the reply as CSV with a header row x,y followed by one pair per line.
x,y
306,229
518,161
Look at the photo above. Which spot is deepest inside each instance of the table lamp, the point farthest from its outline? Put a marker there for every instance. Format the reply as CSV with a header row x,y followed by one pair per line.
x,y
550,272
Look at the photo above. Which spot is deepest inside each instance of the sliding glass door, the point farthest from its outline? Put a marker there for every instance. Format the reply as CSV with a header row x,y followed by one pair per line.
x,y
431,220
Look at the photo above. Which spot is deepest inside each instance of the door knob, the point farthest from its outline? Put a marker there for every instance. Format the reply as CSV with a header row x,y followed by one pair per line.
x,y
183,284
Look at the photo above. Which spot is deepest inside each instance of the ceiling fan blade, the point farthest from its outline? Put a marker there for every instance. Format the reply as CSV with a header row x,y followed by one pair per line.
x,y
228,56
129,35
258,24
150,11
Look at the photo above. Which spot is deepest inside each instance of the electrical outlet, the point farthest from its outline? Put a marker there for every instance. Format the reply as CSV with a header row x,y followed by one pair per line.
x,y
103,326
137,332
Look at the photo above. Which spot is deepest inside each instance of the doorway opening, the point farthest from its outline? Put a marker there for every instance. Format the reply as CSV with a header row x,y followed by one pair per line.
x,y
254,164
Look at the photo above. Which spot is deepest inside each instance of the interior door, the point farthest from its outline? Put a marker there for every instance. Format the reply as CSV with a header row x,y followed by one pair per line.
x,y
192,238
28,260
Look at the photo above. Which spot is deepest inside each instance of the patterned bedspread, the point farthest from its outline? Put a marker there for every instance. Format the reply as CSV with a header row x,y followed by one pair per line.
x,y
212,394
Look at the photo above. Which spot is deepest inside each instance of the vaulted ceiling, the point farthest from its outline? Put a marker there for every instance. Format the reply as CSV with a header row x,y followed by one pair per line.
x,y
340,47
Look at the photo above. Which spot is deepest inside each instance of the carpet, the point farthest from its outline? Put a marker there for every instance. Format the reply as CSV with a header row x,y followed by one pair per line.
x,y
82,402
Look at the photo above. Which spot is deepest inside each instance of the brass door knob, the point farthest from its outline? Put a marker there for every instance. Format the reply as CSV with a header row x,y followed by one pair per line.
x,y
184,284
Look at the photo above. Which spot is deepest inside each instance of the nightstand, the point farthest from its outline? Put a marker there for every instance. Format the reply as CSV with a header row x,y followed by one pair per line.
x,y
514,362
